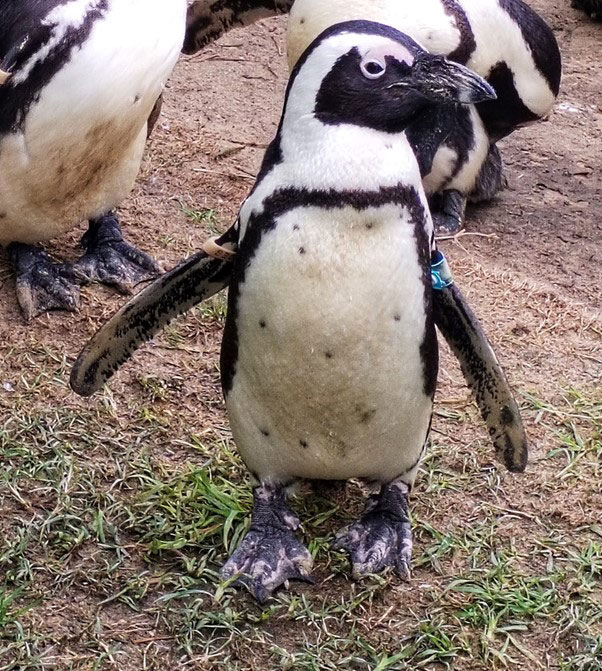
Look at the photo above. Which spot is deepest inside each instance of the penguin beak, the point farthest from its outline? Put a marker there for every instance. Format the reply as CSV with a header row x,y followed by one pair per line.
x,y
443,81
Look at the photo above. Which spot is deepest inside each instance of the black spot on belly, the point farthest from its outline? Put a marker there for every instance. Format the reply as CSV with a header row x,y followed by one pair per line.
x,y
2,215
265,432
295,227
303,444
302,21
397,318
369,225
262,323
328,355
136,98
301,250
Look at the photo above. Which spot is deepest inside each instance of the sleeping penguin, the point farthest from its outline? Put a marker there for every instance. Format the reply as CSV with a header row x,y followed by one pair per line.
x,y
504,41
329,356
78,86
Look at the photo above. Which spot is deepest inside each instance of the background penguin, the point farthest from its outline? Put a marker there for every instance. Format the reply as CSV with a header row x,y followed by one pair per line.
x,y
592,7
522,63
80,80
329,357
208,20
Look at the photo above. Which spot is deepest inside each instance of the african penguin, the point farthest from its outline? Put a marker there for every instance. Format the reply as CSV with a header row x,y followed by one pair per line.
x,y
522,62
329,357
81,83
592,7
208,20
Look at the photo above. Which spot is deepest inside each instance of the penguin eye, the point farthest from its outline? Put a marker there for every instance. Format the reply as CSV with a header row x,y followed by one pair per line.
x,y
373,69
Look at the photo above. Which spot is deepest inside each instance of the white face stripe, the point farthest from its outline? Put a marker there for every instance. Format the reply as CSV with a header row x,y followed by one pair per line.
x,y
396,50
302,96
64,17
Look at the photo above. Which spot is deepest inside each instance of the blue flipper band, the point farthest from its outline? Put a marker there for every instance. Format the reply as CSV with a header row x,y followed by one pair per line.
x,y
441,276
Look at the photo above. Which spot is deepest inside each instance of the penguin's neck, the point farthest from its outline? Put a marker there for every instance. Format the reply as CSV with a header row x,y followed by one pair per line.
x,y
345,156
312,156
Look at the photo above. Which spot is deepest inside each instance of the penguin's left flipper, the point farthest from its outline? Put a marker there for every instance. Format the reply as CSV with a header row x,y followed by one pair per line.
x,y
484,375
172,294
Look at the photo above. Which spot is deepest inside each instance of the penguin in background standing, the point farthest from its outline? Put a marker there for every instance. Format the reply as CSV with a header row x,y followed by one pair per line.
x,y
504,41
329,357
80,88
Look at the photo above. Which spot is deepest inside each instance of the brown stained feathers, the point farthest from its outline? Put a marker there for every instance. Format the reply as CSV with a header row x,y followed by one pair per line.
x,y
484,375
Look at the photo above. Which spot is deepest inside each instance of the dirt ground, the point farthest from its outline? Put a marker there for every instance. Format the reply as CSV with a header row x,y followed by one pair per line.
x,y
141,593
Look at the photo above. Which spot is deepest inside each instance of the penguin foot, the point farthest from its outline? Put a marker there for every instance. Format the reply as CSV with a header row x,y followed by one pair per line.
x,y
41,284
270,553
447,210
111,260
382,537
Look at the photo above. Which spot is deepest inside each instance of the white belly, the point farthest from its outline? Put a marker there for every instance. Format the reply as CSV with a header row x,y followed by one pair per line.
x,y
80,149
329,379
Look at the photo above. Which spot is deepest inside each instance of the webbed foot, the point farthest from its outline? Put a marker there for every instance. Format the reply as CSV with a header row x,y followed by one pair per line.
x,y
447,210
111,260
270,553
382,537
42,285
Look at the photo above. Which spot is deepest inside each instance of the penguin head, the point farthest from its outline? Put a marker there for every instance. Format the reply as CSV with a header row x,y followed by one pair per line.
x,y
368,74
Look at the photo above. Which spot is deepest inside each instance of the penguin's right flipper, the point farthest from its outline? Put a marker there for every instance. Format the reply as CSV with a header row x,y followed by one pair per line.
x,y
172,294
484,375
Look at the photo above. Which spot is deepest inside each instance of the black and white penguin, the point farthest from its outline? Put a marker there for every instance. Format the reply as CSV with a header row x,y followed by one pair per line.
x,y
329,356
592,7
80,81
504,41
208,20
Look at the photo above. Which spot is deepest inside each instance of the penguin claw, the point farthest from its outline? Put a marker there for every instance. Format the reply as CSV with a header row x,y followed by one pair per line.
x,y
42,285
111,260
267,559
445,224
270,554
382,537
447,211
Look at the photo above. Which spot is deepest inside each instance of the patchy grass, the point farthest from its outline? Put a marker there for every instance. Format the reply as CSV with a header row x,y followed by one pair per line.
x,y
116,517
206,218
